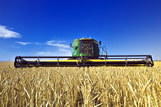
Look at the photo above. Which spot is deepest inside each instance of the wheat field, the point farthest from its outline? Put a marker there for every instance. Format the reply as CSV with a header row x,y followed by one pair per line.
x,y
80,87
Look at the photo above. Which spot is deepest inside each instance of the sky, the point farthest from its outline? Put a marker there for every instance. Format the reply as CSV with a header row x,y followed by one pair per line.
x,y
47,27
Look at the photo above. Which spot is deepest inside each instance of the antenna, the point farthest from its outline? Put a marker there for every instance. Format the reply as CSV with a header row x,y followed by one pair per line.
x,y
71,47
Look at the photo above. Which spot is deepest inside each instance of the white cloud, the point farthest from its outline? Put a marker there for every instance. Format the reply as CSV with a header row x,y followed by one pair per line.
x,y
54,53
53,43
61,41
6,33
63,50
44,53
23,43
26,43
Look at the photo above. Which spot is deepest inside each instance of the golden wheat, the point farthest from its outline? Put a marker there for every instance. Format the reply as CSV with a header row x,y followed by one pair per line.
x,y
72,86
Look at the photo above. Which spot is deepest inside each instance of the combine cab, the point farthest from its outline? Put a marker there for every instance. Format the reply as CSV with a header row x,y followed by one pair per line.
x,y
85,52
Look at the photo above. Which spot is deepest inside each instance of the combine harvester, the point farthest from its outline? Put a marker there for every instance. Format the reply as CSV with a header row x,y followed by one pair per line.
x,y
85,52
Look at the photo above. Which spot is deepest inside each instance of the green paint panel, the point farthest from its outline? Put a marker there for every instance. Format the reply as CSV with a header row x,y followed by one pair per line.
x,y
76,47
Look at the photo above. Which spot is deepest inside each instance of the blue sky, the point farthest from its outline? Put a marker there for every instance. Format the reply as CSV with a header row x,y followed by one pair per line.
x,y
46,27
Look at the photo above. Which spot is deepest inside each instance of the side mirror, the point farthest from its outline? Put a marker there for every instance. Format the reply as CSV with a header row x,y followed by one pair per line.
x,y
100,42
70,44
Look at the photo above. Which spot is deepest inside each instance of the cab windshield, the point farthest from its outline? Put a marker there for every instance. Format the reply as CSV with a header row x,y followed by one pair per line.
x,y
86,47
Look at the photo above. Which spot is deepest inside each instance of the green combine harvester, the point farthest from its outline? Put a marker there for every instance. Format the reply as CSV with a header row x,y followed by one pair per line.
x,y
85,52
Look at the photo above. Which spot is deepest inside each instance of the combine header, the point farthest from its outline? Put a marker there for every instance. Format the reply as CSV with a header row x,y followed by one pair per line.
x,y
85,52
